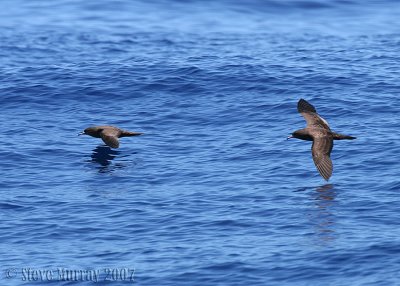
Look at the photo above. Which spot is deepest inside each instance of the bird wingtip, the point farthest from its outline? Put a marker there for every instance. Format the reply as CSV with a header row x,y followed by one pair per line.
x,y
304,106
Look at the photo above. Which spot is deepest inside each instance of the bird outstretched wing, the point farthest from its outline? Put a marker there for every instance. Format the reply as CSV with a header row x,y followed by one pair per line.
x,y
110,137
321,151
311,116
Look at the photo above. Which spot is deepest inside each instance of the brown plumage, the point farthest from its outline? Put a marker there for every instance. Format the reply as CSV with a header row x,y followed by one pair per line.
x,y
318,131
109,134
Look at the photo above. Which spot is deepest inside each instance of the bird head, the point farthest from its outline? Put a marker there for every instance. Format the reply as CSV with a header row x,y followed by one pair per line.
x,y
301,134
90,131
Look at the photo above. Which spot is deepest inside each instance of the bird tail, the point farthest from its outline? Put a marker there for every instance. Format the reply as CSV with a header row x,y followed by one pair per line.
x,y
337,136
128,133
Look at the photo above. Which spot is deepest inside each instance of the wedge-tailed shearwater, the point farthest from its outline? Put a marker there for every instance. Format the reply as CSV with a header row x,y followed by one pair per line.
x,y
109,134
318,131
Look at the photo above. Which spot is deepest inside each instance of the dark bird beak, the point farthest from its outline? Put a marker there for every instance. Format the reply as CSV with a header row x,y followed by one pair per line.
x,y
81,133
289,137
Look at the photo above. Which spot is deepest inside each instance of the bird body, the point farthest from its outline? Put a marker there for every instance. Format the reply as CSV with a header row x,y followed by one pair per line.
x,y
109,134
318,131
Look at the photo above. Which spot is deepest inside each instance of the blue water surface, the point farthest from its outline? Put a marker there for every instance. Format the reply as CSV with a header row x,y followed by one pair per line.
x,y
212,194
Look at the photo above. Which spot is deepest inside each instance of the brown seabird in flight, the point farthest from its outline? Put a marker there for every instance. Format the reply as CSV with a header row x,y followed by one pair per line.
x,y
318,131
109,134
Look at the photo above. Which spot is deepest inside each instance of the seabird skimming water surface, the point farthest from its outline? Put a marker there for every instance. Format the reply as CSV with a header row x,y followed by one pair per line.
x,y
109,134
318,131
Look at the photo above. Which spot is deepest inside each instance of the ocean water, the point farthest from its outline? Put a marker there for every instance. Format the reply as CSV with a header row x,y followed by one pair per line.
x,y
212,193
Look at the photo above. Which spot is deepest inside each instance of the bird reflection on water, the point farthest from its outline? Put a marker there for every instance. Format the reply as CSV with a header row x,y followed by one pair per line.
x,y
323,218
103,155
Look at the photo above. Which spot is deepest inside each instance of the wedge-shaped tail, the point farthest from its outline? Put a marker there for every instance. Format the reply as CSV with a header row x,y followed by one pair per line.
x,y
128,133
337,136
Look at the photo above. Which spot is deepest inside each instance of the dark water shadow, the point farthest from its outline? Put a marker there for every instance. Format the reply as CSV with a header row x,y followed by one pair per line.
x,y
102,156
323,217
